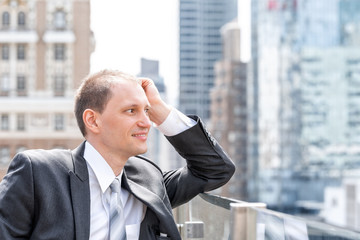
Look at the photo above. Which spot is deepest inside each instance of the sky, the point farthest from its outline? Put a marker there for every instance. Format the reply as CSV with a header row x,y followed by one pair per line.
x,y
127,30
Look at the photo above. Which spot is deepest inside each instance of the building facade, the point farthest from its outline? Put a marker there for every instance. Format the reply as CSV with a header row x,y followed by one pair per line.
x,y
45,52
274,124
330,92
200,47
329,63
305,95
229,108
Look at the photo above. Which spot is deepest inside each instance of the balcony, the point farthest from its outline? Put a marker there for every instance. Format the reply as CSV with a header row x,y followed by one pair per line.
x,y
14,36
67,36
212,217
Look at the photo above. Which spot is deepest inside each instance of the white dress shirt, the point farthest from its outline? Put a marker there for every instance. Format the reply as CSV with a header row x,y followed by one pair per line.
x,y
101,176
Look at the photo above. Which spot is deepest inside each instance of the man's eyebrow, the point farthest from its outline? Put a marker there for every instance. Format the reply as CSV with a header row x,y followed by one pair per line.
x,y
136,105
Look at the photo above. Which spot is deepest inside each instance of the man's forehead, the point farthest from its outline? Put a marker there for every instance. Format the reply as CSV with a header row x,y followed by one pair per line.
x,y
133,90
127,85
124,81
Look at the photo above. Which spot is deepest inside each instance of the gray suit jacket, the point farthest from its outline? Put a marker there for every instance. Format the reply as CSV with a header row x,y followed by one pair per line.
x,y
46,194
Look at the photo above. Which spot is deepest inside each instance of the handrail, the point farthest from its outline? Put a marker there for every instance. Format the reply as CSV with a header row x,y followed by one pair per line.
x,y
218,200
217,217
316,225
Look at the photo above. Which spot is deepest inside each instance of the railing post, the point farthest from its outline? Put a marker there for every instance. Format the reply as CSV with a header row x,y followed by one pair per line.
x,y
194,230
181,215
242,227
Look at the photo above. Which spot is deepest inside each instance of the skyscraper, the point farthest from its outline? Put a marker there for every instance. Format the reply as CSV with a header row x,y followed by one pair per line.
x,y
45,52
228,121
274,126
305,98
330,86
200,47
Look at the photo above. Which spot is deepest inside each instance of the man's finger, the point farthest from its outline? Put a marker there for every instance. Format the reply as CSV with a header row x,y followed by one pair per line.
x,y
145,82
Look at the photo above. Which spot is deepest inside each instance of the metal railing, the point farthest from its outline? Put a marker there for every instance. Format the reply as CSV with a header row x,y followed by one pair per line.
x,y
213,217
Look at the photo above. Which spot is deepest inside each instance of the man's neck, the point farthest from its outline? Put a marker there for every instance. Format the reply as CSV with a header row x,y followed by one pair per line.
x,y
115,160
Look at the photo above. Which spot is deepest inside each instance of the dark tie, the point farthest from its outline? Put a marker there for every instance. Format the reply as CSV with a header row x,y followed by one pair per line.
x,y
117,221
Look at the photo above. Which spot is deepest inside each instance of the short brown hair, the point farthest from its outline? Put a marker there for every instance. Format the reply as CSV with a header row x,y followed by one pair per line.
x,y
94,93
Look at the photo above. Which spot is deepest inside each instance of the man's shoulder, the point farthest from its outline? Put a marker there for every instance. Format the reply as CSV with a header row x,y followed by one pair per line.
x,y
46,158
39,153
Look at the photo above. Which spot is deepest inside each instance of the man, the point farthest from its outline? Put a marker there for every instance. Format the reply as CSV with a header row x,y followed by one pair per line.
x,y
61,194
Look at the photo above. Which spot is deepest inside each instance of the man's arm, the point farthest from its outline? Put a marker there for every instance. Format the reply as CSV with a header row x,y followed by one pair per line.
x,y
208,167
16,200
159,110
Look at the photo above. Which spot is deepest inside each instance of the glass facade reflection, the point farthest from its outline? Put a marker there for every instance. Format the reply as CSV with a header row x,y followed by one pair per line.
x,y
304,136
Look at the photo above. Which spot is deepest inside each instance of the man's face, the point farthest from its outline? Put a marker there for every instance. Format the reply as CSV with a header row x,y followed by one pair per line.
x,y
124,124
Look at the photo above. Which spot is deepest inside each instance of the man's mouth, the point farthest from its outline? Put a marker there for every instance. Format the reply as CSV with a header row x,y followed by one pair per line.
x,y
139,135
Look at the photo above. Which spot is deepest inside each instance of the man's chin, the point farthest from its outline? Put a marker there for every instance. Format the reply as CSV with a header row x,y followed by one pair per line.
x,y
143,151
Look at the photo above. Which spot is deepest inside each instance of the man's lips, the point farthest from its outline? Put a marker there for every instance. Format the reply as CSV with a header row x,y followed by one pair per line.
x,y
140,135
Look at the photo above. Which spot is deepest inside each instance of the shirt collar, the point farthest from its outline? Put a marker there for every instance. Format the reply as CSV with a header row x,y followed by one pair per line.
x,y
103,172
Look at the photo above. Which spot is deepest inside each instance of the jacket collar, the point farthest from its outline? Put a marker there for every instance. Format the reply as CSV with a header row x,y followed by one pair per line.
x,y
155,203
80,193
80,167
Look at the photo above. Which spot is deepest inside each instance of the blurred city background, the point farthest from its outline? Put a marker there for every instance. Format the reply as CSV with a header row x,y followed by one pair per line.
x,y
277,82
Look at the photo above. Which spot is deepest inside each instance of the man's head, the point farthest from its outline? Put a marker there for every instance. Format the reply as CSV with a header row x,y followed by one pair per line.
x,y
111,111
95,91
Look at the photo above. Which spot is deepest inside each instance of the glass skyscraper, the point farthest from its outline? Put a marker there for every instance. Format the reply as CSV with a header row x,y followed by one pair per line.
x,y
306,95
200,47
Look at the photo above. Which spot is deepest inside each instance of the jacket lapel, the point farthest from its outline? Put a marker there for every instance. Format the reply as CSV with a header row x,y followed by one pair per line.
x,y
154,202
80,194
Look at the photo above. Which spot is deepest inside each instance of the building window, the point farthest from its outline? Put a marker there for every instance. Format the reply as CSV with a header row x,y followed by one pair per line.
x,y
21,19
4,155
59,51
59,20
5,122
59,122
5,52
5,19
4,85
238,110
59,85
21,122
21,52
21,85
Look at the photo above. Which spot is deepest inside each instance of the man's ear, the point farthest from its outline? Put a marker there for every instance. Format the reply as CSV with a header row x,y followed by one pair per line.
x,y
90,120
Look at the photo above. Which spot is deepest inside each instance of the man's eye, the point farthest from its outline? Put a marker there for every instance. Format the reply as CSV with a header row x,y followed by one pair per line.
x,y
130,110
147,110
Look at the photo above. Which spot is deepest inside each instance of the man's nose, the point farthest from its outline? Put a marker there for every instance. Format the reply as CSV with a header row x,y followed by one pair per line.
x,y
144,121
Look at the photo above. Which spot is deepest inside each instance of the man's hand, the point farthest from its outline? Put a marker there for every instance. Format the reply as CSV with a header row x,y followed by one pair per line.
x,y
159,110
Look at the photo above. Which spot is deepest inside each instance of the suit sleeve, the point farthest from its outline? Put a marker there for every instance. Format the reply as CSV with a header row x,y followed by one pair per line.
x,y
16,200
208,166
